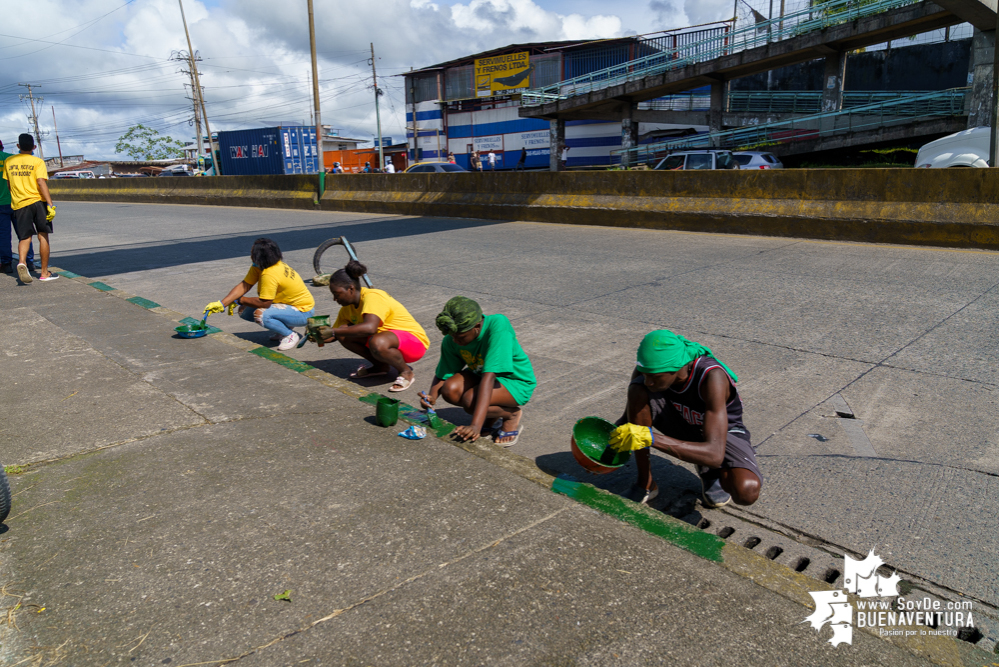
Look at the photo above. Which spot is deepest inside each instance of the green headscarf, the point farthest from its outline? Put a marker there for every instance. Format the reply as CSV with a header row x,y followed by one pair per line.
x,y
460,314
663,351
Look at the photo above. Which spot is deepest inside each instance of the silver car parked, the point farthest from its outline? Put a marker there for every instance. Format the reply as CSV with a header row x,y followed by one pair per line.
x,y
757,160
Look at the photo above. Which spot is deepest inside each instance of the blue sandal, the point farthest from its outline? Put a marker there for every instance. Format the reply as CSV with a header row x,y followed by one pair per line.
x,y
499,434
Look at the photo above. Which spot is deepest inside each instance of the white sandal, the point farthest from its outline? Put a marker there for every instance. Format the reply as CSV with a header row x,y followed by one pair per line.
x,y
402,384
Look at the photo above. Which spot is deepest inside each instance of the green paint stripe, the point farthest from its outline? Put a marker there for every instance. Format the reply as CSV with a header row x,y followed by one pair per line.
x,y
191,320
69,274
144,303
101,286
672,530
282,359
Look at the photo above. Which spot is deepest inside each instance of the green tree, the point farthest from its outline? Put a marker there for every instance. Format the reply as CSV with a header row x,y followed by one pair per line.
x,y
145,143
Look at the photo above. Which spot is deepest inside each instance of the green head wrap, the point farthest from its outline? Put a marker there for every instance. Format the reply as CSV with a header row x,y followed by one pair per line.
x,y
459,315
663,351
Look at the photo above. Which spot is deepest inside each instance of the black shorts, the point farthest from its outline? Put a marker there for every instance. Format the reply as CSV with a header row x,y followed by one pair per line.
x,y
739,452
30,220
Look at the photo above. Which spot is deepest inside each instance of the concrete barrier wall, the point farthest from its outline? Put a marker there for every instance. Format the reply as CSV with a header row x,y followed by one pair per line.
x,y
940,207
298,191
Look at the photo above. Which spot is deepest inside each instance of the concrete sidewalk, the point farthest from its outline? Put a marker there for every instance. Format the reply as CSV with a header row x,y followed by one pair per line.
x,y
173,487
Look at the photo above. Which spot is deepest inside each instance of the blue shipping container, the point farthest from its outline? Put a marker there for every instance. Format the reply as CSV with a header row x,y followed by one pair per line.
x,y
269,150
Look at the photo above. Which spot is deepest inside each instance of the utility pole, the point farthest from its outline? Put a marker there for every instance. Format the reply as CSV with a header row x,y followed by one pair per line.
x,y
195,95
34,116
58,145
378,117
315,87
197,92
412,96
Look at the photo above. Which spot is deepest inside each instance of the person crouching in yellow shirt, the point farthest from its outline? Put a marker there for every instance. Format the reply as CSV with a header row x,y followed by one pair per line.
x,y
373,325
28,180
282,302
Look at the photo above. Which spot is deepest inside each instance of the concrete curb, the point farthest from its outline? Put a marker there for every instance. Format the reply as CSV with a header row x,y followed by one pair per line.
x,y
738,560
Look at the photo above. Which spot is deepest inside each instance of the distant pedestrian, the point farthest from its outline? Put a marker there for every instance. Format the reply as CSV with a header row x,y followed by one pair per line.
x,y
7,223
389,167
450,158
476,161
523,159
565,156
367,168
491,159
31,202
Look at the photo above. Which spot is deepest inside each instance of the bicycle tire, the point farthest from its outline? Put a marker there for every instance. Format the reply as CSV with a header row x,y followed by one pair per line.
x,y
4,496
317,258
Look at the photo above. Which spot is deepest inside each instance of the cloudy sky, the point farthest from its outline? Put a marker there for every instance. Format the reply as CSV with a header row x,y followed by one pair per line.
x,y
104,65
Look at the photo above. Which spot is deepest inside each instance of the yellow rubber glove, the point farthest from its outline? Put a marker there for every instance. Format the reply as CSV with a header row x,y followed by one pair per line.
x,y
631,437
51,214
214,307
231,307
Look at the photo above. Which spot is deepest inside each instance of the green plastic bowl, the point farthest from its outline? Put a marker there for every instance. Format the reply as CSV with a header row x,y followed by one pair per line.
x,y
191,330
590,437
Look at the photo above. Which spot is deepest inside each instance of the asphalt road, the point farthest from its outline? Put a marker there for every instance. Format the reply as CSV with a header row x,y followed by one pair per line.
x,y
901,337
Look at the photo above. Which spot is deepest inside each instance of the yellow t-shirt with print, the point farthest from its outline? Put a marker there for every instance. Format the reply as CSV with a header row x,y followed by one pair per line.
x,y
393,314
22,173
281,284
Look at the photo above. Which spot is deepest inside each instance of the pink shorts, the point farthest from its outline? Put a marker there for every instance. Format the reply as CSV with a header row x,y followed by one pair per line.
x,y
411,347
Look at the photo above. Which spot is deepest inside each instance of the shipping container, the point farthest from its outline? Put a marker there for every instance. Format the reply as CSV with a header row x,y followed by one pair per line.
x,y
269,150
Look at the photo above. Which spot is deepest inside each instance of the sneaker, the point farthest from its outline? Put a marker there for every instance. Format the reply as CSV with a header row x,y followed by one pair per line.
x,y
50,277
22,273
641,495
712,493
289,341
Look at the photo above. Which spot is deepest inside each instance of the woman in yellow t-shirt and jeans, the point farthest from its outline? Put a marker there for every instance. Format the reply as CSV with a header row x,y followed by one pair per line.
x,y
282,302
373,325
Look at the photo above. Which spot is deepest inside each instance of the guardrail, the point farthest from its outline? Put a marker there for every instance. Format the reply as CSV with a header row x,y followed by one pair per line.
x,y
816,17
861,117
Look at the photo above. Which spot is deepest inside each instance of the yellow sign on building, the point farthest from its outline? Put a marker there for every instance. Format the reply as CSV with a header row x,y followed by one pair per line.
x,y
499,75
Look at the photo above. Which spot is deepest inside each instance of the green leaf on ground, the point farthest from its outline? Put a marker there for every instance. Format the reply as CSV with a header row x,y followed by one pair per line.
x,y
13,470
286,596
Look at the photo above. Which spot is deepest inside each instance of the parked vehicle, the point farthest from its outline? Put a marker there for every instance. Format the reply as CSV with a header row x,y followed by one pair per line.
x,y
757,160
435,167
74,174
706,159
968,148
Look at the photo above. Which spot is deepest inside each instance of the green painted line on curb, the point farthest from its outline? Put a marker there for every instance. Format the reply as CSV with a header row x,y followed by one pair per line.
x,y
69,274
191,320
101,286
144,303
441,431
282,359
672,530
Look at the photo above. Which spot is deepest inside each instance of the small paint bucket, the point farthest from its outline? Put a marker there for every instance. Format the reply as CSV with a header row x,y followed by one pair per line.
x,y
386,411
590,446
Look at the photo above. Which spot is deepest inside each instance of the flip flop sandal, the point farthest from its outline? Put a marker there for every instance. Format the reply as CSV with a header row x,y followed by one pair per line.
x,y
365,372
401,384
500,433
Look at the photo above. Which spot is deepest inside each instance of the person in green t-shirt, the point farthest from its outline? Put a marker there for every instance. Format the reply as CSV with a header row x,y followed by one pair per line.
x,y
483,370
7,223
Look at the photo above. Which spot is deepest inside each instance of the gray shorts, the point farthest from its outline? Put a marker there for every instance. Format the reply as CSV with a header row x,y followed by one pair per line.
x,y
739,452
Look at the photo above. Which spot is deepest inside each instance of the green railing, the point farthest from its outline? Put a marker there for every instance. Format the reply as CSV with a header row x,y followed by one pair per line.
x,y
816,17
884,113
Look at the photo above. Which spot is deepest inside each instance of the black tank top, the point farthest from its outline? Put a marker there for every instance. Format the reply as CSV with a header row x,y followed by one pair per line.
x,y
691,407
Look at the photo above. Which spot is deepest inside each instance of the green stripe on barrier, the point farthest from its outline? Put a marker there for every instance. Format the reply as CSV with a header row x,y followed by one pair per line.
x,y
69,274
282,359
144,303
672,530
101,286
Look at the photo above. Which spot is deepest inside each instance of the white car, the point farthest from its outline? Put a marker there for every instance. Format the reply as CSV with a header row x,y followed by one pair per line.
x,y
757,160
968,148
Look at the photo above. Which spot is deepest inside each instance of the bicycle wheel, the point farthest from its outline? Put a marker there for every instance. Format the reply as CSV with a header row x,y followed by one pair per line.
x,y
333,262
4,496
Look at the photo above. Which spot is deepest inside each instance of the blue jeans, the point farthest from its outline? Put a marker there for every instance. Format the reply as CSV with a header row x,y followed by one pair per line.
x,y
7,222
279,318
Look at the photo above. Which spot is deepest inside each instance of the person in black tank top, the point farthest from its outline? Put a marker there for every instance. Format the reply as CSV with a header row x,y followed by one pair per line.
x,y
690,397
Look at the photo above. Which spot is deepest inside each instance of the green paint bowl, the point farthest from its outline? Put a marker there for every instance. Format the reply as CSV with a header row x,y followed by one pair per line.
x,y
590,446
387,411
192,330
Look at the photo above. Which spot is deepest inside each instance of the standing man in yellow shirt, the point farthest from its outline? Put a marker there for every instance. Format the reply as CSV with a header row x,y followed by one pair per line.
x,y
27,177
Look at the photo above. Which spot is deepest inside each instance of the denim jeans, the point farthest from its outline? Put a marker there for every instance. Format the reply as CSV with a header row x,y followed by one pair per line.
x,y
279,318
7,222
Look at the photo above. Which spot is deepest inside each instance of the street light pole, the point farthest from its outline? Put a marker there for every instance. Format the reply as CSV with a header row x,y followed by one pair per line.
x,y
315,87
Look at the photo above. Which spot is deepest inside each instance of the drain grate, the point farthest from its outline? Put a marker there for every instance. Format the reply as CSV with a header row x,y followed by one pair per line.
x,y
726,532
752,543
802,564
831,575
773,552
